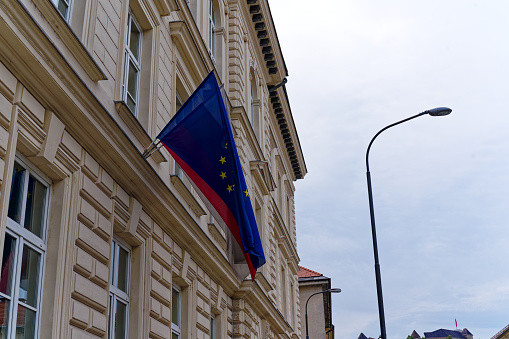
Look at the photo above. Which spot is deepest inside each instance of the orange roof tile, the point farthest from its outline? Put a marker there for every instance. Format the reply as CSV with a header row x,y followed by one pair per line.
x,y
306,273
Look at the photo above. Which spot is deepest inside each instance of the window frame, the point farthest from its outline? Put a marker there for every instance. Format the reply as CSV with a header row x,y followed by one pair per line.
x,y
176,328
116,294
68,15
23,239
136,62
212,32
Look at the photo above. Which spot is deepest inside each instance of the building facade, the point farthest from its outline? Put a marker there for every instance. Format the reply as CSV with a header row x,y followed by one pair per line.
x,y
319,306
99,242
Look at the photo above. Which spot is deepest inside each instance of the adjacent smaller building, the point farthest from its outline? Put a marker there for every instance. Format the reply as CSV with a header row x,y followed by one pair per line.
x,y
319,307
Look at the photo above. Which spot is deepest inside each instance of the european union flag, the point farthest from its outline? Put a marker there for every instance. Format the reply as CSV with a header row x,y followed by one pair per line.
x,y
200,139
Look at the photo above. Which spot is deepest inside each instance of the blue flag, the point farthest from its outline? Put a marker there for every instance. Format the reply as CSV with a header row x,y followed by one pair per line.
x,y
200,139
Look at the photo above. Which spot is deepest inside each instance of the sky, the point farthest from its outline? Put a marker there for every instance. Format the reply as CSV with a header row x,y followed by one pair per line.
x,y
439,183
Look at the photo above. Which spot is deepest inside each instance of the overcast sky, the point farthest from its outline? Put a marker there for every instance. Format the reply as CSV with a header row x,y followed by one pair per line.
x,y
440,184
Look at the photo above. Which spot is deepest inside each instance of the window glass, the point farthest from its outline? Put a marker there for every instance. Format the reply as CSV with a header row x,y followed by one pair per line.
x,y
8,260
123,266
212,31
63,7
28,280
34,212
120,320
16,199
25,324
175,307
4,321
135,41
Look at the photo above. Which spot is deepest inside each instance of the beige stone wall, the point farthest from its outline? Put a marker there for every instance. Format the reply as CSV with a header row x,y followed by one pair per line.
x,y
59,112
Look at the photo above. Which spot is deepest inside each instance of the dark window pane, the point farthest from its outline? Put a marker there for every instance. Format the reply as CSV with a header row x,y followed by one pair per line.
x,y
134,42
123,265
25,323
4,317
132,82
120,320
16,199
175,307
131,104
28,280
34,212
8,260
113,259
63,7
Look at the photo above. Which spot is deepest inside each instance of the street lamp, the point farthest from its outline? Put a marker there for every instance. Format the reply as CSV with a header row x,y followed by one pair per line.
x,y
331,290
439,111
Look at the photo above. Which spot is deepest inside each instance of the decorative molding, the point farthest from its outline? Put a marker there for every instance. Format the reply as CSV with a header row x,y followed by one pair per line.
x,y
261,173
218,235
186,194
186,44
69,38
137,129
165,7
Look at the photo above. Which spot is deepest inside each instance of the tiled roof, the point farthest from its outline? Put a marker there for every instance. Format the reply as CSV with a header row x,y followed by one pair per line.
x,y
499,334
306,273
415,335
441,333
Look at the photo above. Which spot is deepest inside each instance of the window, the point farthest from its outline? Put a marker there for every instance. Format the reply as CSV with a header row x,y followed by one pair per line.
x,y
23,255
175,313
64,7
132,70
252,104
212,32
283,293
119,291
212,326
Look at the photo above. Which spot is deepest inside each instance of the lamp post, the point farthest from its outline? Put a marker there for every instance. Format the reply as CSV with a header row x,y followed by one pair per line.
x,y
439,111
331,290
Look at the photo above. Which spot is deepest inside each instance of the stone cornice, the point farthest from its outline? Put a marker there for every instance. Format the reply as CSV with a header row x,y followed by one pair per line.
x,y
268,51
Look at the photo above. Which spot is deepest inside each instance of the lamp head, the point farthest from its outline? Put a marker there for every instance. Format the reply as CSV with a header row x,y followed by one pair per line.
x,y
335,290
439,111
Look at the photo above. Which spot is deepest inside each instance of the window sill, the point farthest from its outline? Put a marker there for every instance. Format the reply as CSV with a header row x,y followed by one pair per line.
x,y
218,235
186,194
137,129
69,38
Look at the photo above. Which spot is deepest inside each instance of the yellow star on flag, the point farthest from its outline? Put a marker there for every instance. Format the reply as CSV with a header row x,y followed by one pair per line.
x,y
222,160
230,188
223,175
247,193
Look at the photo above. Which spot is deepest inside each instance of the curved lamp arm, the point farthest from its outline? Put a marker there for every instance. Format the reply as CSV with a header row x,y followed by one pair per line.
x,y
330,290
439,111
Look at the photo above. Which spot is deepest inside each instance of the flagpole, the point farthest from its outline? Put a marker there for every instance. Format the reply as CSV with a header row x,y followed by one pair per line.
x,y
152,148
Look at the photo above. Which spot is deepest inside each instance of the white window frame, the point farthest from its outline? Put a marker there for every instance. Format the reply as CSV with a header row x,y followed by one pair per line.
x,y
176,327
212,32
24,237
68,3
130,58
117,294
